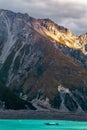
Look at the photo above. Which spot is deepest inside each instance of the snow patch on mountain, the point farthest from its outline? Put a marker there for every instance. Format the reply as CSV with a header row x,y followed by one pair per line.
x,y
61,89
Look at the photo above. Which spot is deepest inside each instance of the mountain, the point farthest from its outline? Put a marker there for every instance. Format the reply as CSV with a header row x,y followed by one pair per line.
x,y
43,62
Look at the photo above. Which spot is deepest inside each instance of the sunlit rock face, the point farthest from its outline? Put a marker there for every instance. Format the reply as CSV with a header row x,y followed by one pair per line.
x,y
63,35
36,55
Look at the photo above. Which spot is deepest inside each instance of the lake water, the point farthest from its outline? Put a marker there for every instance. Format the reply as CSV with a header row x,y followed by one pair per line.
x,y
41,125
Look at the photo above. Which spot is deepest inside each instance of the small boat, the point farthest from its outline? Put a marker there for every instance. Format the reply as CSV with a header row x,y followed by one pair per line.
x,y
51,123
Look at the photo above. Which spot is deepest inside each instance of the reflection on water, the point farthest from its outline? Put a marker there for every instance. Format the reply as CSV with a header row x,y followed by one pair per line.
x,y
42,125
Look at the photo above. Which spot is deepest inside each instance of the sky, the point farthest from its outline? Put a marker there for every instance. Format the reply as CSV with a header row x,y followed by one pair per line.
x,y
68,13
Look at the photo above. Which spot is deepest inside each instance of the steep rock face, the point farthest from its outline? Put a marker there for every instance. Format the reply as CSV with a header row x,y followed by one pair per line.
x,y
83,40
72,100
63,35
38,62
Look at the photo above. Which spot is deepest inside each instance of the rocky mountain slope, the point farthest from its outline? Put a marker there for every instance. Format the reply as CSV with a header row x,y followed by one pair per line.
x,y
43,62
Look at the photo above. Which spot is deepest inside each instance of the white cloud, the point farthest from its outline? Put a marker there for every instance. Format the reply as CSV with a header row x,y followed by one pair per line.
x,y
70,13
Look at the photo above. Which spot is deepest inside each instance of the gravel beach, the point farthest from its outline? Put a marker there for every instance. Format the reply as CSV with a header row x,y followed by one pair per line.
x,y
53,115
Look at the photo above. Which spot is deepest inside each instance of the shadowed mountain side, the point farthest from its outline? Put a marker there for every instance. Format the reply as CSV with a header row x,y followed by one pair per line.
x,y
12,101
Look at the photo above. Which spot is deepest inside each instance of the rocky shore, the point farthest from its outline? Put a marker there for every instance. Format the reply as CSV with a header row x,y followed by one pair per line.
x,y
53,115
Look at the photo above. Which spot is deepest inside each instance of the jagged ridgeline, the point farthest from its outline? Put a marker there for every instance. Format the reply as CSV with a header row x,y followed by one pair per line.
x,y
43,62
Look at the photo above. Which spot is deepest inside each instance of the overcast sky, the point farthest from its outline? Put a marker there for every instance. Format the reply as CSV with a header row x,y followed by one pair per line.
x,y
69,13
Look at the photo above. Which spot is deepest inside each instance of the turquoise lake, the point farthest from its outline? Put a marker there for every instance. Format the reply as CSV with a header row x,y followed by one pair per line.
x,y
41,125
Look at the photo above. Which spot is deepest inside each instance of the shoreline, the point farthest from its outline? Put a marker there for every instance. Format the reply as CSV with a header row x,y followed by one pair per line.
x,y
42,115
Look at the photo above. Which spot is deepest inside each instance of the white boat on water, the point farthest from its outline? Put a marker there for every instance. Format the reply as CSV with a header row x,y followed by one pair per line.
x,y
51,123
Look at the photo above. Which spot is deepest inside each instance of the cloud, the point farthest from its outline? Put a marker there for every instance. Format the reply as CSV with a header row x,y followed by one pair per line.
x,y
69,13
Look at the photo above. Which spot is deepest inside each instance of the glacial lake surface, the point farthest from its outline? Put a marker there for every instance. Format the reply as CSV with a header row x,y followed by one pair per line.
x,y
42,125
